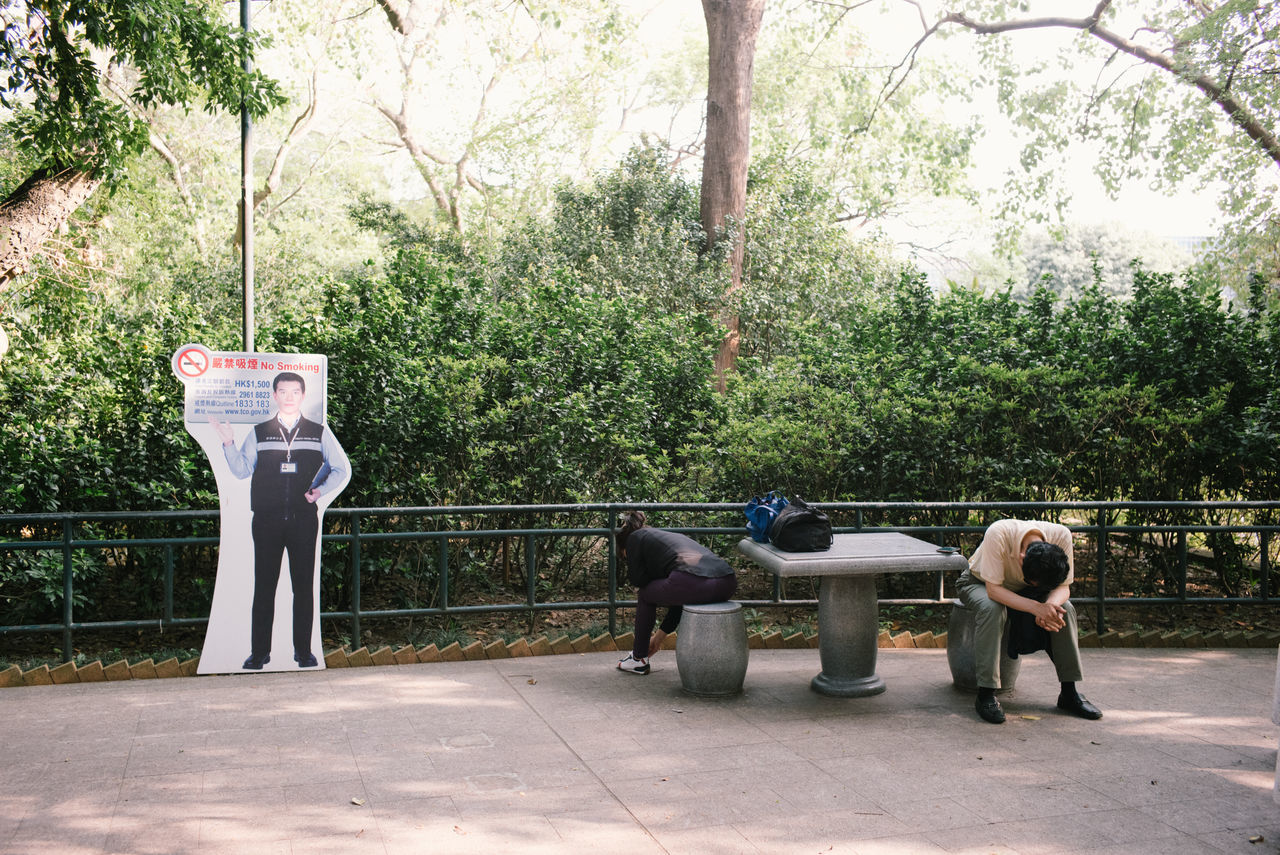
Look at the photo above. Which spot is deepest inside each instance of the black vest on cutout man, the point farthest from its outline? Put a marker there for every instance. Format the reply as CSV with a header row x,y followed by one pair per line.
x,y
288,463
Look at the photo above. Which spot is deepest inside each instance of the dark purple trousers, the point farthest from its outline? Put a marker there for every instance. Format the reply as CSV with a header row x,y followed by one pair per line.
x,y
678,589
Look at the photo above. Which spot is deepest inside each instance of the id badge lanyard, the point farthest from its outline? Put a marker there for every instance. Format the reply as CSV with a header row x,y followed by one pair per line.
x,y
288,467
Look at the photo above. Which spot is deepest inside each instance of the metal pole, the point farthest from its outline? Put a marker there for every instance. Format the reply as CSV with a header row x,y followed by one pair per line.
x,y
68,567
246,191
355,581
612,568
1102,571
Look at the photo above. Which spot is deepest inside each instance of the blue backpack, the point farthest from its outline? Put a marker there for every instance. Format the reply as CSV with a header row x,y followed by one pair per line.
x,y
761,511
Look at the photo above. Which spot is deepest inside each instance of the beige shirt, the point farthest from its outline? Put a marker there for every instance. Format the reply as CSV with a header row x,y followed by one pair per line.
x,y
996,559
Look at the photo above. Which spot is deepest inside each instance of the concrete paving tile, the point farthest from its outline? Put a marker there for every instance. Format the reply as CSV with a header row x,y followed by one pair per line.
x,y
326,809
999,803
248,802
741,797
804,785
75,827
168,753
247,846
1244,840
145,834
930,814
393,778
227,833
1149,787
11,814
429,836
279,774
1177,844
67,802
816,832
151,791
359,843
511,798
1211,815
495,834
315,752
786,768
893,788
1130,825
916,844
491,759
82,769
595,745
664,802
49,846
995,839
671,762
394,815
430,839
1083,830
603,828
708,840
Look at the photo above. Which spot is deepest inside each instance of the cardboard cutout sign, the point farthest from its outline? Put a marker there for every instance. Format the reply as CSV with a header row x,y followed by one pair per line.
x,y
260,418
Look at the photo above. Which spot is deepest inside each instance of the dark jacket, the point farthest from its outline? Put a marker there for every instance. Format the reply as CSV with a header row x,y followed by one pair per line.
x,y
653,553
282,491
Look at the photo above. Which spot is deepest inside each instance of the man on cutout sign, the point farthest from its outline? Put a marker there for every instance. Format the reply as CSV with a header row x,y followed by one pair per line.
x,y
293,462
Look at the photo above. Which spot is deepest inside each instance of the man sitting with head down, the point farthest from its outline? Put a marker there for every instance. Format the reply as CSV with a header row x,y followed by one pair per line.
x,y
1025,566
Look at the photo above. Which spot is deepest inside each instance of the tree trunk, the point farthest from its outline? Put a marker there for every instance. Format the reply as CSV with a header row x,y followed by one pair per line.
x,y
36,210
732,27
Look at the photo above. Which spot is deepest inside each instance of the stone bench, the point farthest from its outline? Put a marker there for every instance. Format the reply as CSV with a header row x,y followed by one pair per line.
x,y
960,652
711,649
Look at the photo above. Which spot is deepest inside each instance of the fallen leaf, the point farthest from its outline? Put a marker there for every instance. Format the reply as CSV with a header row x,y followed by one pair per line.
x,y
532,682
1257,838
357,801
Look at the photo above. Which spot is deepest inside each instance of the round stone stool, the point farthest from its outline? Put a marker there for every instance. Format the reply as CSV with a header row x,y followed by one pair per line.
x,y
711,649
960,653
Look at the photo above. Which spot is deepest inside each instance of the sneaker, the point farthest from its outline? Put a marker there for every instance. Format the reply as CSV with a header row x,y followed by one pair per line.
x,y
632,665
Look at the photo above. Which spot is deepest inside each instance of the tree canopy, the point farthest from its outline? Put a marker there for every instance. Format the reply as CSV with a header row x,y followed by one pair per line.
x,y
1162,89
80,77
80,82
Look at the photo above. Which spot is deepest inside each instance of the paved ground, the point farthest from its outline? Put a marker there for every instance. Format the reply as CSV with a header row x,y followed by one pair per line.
x,y
562,754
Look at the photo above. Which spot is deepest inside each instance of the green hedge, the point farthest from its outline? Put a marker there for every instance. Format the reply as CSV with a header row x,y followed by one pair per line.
x,y
570,361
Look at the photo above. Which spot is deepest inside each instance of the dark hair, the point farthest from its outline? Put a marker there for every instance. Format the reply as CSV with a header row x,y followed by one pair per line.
x,y
630,521
288,377
1045,565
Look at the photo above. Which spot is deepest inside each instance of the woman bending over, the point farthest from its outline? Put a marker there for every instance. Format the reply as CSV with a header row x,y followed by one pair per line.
x,y
669,569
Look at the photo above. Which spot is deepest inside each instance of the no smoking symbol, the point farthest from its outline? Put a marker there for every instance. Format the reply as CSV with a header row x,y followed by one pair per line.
x,y
193,362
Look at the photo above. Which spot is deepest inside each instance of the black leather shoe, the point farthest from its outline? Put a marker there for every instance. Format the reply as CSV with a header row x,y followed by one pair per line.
x,y
989,709
305,660
255,663
1078,704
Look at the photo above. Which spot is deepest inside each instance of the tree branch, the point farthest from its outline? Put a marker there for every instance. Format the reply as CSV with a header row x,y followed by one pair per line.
x,y
1237,113
296,132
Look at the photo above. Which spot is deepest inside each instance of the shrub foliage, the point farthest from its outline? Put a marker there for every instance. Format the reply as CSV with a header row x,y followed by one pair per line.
x,y
570,361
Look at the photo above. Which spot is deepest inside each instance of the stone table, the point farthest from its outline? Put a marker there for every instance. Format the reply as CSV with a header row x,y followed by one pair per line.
x,y
848,626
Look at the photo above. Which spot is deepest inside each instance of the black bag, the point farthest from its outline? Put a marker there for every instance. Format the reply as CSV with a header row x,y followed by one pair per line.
x,y
800,528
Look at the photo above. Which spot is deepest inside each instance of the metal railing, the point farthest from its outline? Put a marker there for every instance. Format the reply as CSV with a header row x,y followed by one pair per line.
x,y
1088,518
